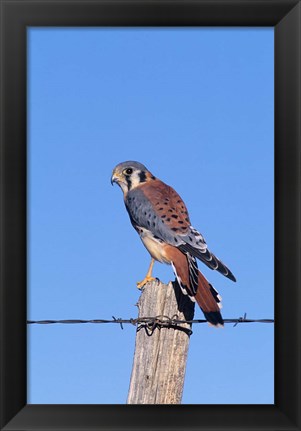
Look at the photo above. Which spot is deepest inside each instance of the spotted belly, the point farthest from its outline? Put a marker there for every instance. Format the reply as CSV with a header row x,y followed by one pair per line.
x,y
154,246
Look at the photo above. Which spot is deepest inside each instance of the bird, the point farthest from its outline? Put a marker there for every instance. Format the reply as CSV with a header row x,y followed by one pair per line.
x,y
161,219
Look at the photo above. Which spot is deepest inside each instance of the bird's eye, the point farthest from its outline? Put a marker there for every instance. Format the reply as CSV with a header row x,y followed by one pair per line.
x,y
129,171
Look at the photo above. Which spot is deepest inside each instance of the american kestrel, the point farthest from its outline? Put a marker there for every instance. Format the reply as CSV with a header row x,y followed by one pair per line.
x,y
161,219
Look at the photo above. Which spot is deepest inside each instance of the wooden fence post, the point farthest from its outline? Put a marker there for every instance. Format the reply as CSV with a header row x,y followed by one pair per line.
x,y
160,352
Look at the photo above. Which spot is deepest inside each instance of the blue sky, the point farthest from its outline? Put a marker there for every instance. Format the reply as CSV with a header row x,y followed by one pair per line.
x,y
194,105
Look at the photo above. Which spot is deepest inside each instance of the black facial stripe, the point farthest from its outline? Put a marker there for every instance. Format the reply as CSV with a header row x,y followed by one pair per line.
x,y
142,177
129,182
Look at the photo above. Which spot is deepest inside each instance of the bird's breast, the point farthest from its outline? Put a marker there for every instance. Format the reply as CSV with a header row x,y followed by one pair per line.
x,y
154,246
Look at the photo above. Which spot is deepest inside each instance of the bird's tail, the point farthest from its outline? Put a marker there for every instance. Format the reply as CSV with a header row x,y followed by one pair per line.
x,y
196,286
209,301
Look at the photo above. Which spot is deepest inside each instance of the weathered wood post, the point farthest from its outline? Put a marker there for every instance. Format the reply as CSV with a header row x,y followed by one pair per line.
x,y
161,351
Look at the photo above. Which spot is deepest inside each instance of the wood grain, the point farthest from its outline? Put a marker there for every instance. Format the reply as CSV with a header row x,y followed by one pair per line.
x,y
160,352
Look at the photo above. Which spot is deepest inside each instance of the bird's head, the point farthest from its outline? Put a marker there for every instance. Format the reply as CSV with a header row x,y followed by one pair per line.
x,y
129,175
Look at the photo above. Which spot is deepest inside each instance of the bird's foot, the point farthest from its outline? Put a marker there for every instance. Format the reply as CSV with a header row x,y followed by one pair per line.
x,y
141,284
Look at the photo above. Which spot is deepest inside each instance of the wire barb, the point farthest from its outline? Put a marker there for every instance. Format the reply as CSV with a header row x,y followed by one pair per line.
x,y
118,320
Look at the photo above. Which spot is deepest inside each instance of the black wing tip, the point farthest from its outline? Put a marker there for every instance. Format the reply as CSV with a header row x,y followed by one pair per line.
x,y
224,270
215,264
231,276
214,318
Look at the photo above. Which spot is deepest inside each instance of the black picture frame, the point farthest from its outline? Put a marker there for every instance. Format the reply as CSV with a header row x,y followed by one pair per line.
x,y
16,16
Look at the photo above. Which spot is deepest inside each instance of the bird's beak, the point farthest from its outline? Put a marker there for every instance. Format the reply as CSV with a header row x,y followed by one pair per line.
x,y
114,179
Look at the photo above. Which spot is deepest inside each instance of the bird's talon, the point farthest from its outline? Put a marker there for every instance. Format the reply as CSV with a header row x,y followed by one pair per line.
x,y
141,284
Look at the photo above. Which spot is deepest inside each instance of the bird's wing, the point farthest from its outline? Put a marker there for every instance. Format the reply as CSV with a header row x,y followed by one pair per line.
x,y
158,207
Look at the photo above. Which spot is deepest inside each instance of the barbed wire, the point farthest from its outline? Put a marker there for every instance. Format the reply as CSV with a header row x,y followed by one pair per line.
x,y
161,320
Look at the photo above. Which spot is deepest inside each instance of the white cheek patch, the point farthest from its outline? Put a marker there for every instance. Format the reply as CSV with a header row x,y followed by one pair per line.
x,y
123,187
135,179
